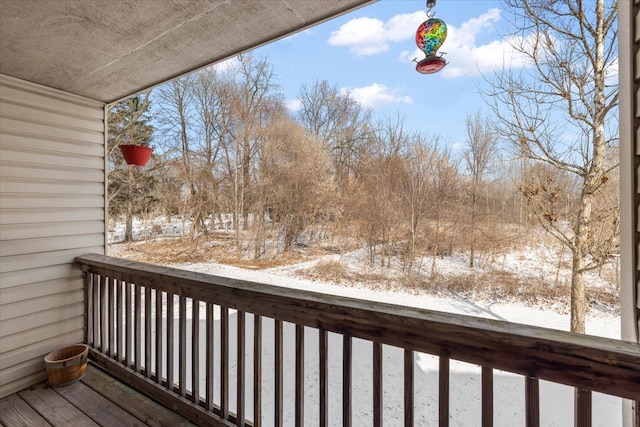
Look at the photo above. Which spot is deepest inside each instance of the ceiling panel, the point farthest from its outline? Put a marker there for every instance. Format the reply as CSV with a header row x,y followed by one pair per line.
x,y
106,50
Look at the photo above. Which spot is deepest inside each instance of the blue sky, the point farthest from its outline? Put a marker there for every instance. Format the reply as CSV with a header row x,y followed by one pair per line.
x,y
369,52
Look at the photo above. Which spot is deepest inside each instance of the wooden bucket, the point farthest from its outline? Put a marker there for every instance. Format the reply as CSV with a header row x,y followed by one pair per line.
x,y
66,365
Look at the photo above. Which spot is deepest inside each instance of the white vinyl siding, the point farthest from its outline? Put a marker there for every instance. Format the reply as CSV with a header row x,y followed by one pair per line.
x,y
52,208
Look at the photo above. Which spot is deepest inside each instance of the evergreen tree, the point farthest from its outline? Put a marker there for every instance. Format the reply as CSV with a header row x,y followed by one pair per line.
x,y
130,188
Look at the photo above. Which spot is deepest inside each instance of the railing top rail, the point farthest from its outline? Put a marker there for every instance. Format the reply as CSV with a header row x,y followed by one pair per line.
x,y
595,363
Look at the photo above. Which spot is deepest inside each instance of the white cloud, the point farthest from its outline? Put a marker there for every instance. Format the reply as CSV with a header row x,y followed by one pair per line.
x,y
468,58
370,36
294,105
378,94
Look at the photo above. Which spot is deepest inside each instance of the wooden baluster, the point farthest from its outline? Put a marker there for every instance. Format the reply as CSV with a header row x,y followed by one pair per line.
x,y
240,380
137,336
170,340
257,371
182,346
147,331
128,325
159,354
487,396
443,392
347,352
224,362
111,284
583,408
120,328
377,384
104,342
96,311
195,351
408,387
88,307
299,391
209,355
323,349
532,402
278,372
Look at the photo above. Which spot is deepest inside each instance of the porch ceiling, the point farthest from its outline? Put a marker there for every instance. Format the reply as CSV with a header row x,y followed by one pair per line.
x,y
106,50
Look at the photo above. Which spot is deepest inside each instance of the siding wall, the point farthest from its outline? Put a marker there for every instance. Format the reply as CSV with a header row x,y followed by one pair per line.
x,y
629,58
52,208
635,14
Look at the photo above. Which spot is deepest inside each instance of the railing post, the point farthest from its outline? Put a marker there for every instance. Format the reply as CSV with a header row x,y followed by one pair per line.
x,y
88,309
128,324
147,331
277,327
170,339
377,384
240,376
299,392
532,402
257,371
209,355
111,284
224,362
159,355
120,328
323,350
195,351
347,353
487,396
583,409
443,392
182,345
408,388
138,327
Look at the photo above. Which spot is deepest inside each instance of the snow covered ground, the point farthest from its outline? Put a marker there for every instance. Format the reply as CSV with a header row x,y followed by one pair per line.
x,y
534,261
556,400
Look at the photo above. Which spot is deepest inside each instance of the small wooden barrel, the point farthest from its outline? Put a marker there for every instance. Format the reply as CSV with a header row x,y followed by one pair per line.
x,y
66,365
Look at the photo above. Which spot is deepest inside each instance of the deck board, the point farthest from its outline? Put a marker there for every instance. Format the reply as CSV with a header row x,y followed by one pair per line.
x,y
96,406
97,400
16,412
54,408
136,403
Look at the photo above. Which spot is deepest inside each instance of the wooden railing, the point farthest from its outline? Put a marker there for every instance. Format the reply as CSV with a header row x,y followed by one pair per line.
x,y
135,332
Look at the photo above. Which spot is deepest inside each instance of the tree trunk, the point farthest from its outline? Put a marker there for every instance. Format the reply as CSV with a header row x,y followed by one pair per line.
x,y
578,300
473,226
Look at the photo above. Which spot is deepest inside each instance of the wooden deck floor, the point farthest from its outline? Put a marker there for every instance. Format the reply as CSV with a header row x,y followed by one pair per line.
x,y
97,400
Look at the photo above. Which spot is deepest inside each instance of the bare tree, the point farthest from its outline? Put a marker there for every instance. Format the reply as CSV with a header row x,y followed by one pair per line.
x,y
176,117
208,109
296,184
336,118
555,110
251,93
481,150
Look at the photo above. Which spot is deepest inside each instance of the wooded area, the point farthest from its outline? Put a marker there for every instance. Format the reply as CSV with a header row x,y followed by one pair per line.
x,y
230,156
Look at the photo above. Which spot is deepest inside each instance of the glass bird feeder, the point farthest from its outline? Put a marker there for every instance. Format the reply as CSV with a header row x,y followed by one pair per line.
x,y
430,35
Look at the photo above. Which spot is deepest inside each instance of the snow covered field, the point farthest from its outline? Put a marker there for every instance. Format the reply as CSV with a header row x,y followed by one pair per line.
x,y
556,400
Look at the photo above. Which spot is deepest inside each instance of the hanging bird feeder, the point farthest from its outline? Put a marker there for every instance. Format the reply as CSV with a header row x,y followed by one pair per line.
x,y
136,155
430,35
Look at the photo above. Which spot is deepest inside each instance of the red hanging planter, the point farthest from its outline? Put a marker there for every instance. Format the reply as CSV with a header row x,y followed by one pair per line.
x,y
136,154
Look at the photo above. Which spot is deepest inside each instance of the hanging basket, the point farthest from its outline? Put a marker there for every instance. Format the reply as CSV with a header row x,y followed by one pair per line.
x,y
136,154
67,365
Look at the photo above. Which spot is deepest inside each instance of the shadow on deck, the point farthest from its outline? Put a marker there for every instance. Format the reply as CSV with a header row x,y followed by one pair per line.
x,y
97,400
